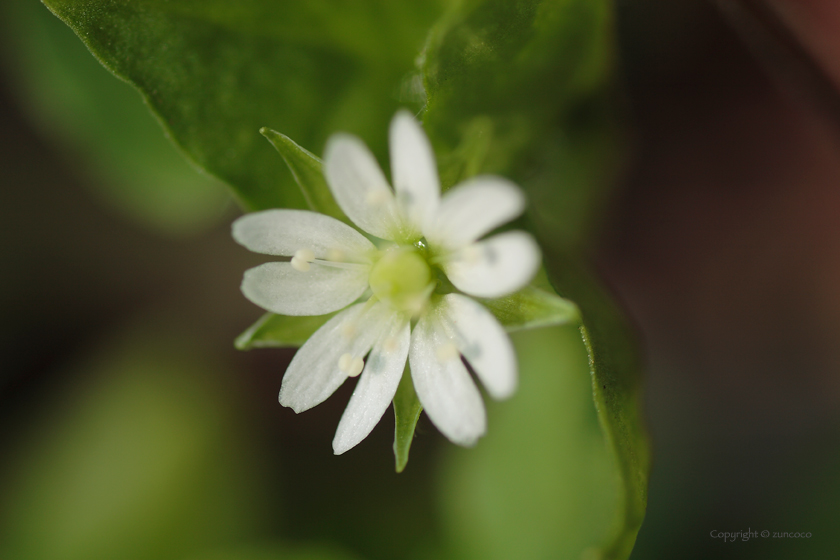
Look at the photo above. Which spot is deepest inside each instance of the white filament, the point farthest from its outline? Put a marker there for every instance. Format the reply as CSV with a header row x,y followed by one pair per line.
x,y
336,255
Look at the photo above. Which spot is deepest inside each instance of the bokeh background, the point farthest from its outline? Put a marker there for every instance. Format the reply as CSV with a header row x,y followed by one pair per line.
x,y
133,429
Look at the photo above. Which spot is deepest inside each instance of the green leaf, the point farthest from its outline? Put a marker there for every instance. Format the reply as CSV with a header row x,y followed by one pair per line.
x,y
530,308
516,88
407,409
215,72
102,127
278,551
616,373
541,483
280,331
523,88
307,169
532,81
468,158
556,477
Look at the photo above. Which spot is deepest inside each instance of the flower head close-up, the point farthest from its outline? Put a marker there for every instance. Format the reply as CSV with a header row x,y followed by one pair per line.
x,y
405,285
569,255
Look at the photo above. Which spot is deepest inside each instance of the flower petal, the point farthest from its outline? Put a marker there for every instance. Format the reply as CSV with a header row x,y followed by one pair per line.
x,y
473,208
443,384
283,232
483,342
495,267
314,373
359,186
280,288
377,385
413,170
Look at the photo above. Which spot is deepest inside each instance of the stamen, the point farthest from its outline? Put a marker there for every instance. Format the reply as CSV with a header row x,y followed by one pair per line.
x,y
420,304
305,255
356,367
350,365
391,345
446,352
377,197
336,255
471,254
344,265
300,265
348,330
301,260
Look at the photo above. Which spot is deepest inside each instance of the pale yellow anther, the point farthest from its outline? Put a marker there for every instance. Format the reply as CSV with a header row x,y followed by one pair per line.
x,y
350,365
301,260
348,331
305,255
446,352
392,344
356,367
336,255
415,306
471,254
300,265
377,197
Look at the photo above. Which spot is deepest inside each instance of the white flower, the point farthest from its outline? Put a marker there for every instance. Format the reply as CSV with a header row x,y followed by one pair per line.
x,y
333,265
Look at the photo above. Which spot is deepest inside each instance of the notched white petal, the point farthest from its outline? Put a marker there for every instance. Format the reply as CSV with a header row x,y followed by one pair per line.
x,y
413,170
444,386
285,232
315,372
474,208
282,288
483,342
359,187
377,385
495,267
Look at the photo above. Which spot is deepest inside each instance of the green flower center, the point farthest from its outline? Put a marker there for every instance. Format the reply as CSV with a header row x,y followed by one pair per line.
x,y
403,279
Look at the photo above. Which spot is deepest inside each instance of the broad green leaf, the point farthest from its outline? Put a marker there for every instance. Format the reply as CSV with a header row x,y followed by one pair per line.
x,y
278,551
542,482
469,157
407,409
523,87
616,373
102,127
557,477
307,170
531,308
532,80
215,72
280,331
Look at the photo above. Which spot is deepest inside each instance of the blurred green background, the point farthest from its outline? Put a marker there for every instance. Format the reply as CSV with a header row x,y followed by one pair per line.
x,y
133,429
